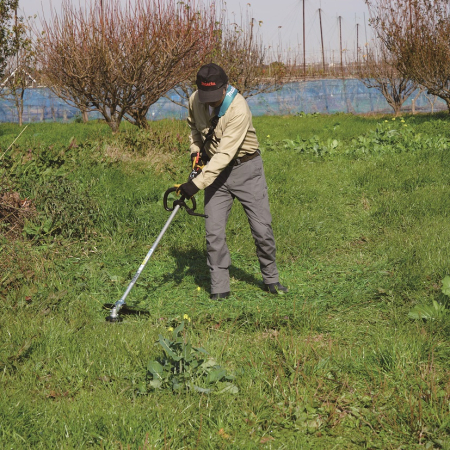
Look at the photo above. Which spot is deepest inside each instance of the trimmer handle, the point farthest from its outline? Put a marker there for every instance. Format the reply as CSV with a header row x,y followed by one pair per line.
x,y
181,202
182,199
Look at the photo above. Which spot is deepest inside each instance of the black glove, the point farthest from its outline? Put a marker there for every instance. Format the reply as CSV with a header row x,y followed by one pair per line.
x,y
188,189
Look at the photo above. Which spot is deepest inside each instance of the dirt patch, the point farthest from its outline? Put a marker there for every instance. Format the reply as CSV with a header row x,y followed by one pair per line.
x,y
14,211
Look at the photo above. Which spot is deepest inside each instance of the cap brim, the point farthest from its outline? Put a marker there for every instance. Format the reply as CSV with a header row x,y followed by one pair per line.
x,y
210,96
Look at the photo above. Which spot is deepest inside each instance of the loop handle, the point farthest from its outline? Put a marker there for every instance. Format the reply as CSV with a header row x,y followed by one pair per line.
x,y
181,203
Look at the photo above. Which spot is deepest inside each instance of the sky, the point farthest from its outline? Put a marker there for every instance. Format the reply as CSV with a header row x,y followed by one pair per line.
x,y
280,24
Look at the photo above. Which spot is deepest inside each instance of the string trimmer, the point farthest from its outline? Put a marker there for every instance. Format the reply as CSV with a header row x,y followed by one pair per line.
x,y
176,205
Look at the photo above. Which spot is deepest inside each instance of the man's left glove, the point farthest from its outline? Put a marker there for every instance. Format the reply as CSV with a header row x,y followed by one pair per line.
x,y
202,160
188,189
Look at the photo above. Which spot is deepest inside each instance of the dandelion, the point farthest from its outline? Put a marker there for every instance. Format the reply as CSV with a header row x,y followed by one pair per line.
x,y
393,118
199,288
268,135
386,121
170,329
186,317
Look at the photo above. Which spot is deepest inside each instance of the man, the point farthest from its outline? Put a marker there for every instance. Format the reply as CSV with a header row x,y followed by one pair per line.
x,y
222,132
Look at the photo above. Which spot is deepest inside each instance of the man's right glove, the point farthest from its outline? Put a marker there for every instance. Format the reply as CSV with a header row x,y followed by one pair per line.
x,y
188,189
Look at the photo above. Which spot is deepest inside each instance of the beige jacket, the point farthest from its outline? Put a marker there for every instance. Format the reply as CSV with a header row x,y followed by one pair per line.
x,y
234,136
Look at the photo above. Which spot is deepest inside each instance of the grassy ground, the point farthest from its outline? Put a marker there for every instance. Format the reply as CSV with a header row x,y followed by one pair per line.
x,y
360,211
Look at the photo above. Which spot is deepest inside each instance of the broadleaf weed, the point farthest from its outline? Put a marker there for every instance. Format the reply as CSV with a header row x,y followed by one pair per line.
x,y
187,368
436,310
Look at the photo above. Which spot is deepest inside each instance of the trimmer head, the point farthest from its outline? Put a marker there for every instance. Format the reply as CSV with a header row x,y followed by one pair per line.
x,y
124,310
114,319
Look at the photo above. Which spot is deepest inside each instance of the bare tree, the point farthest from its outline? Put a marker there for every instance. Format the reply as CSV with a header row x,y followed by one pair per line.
x,y
240,52
20,69
417,33
8,9
379,71
119,60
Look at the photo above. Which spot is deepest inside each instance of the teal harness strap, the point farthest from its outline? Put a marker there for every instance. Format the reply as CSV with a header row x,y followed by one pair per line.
x,y
220,111
229,97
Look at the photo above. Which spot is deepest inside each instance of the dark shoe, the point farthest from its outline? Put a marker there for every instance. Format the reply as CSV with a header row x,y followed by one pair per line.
x,y
276,288
220,296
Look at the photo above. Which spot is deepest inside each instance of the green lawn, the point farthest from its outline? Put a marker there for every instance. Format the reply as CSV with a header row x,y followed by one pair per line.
x,y
360,211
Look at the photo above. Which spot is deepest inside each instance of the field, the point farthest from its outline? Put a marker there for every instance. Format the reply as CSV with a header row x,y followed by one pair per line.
x,y
355,356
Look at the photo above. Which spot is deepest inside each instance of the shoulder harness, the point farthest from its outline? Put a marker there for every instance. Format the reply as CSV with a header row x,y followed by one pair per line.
x,y
220,111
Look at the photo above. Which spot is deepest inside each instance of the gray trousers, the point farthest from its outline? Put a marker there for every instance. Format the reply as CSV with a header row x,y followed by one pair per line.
x,y
247,183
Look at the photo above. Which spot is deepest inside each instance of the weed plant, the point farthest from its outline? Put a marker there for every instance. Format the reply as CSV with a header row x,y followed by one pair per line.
x,y
348,359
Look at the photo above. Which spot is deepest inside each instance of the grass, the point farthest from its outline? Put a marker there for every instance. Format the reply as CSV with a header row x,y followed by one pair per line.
x,y
362,236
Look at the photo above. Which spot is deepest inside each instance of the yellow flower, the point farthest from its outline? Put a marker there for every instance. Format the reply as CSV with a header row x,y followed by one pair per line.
x,y
268,135
405,125
402,121
393,118
186,317
199,288
386,121
170,329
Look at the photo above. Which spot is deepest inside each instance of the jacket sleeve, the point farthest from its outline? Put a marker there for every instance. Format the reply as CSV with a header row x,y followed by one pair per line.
x,y
195,138
233,135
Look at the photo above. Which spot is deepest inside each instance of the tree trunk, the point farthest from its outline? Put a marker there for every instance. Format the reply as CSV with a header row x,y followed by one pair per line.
x,y
396,107
447,101
84,113
114,125
141,122
138,119
20,107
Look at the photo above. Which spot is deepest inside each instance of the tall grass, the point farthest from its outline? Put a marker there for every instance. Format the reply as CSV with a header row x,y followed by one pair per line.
x,y
362,235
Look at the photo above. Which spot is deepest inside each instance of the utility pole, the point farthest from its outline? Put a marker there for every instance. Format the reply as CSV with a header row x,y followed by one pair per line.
x,y
365,28
340,40
357,43
304,48
101,22
280,45
321,39
16,33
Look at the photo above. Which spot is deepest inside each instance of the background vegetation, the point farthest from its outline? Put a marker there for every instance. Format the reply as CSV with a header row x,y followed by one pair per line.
x,y
360,207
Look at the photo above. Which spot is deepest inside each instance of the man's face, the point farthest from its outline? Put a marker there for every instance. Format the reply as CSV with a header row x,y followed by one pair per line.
x,y
219,102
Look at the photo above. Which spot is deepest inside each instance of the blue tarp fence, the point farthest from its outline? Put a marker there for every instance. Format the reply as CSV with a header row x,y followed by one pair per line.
x,y
326,96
